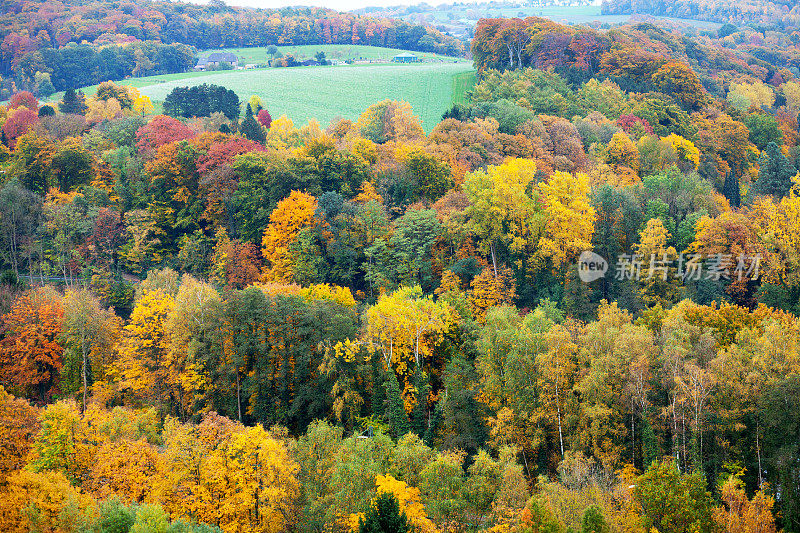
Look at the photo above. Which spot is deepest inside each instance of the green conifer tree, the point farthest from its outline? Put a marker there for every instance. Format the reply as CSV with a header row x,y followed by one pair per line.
x,y
250,127
419,415
73,102
775,174
395,410
384,516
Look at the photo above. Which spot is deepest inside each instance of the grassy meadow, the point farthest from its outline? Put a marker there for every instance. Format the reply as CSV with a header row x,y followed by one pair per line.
x,y
341,52
326,93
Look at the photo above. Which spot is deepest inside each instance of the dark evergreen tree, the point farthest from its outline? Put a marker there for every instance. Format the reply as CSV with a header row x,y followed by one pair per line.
x,y
384,516
250,127
201,101
436,420
419,415
379,386
650,448
46,111
74,102
463,415
731,189
577,300
395,410
726,29
775,174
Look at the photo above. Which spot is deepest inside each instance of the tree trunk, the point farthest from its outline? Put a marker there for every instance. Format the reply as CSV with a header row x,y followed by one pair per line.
x,y
558,412
758,451
238,395
85,360
494,260
633,440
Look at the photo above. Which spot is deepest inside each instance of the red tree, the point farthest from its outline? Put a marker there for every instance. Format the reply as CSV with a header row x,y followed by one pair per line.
x,y
264,118
223,153
19,122
160,131
30,354
24,98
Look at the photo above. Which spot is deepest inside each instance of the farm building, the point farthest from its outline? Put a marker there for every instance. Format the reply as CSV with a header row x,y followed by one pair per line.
x,y
215,58
405,57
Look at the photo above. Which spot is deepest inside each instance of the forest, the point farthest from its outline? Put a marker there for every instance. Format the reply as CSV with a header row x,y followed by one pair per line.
x,y
571,306
783,14
75,44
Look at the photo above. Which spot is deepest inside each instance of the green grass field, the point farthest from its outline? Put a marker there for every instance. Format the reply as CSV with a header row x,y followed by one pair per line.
x,y
462,83
332,51
326,93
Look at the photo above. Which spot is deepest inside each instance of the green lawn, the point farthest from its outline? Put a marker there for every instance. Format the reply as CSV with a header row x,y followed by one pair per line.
x,y
332,51
325,93
462,83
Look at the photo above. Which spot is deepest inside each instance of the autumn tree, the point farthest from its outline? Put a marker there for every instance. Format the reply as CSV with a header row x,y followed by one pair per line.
x,y
159,131
389,120
679,81
19,122
18,426
126,469
192,327
674,502
221,473
31,356
742,515
289,217
570,218
90,333
501,213
403,327
142,372
622,154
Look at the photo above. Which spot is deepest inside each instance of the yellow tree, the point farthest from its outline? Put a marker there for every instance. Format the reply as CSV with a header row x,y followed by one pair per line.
x,y
500,210
142,105
557,374
389,120
63,443
192,327
44,501
622,154
290,216
659,285
263,483
688,154
409,500
570,218
142,370
221,473
18,426
90,331
404,326
488,290
740,515
781,231
125,468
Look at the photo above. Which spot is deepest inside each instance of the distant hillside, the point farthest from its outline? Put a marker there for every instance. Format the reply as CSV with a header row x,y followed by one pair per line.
x,y
460,19
781,13
31,32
